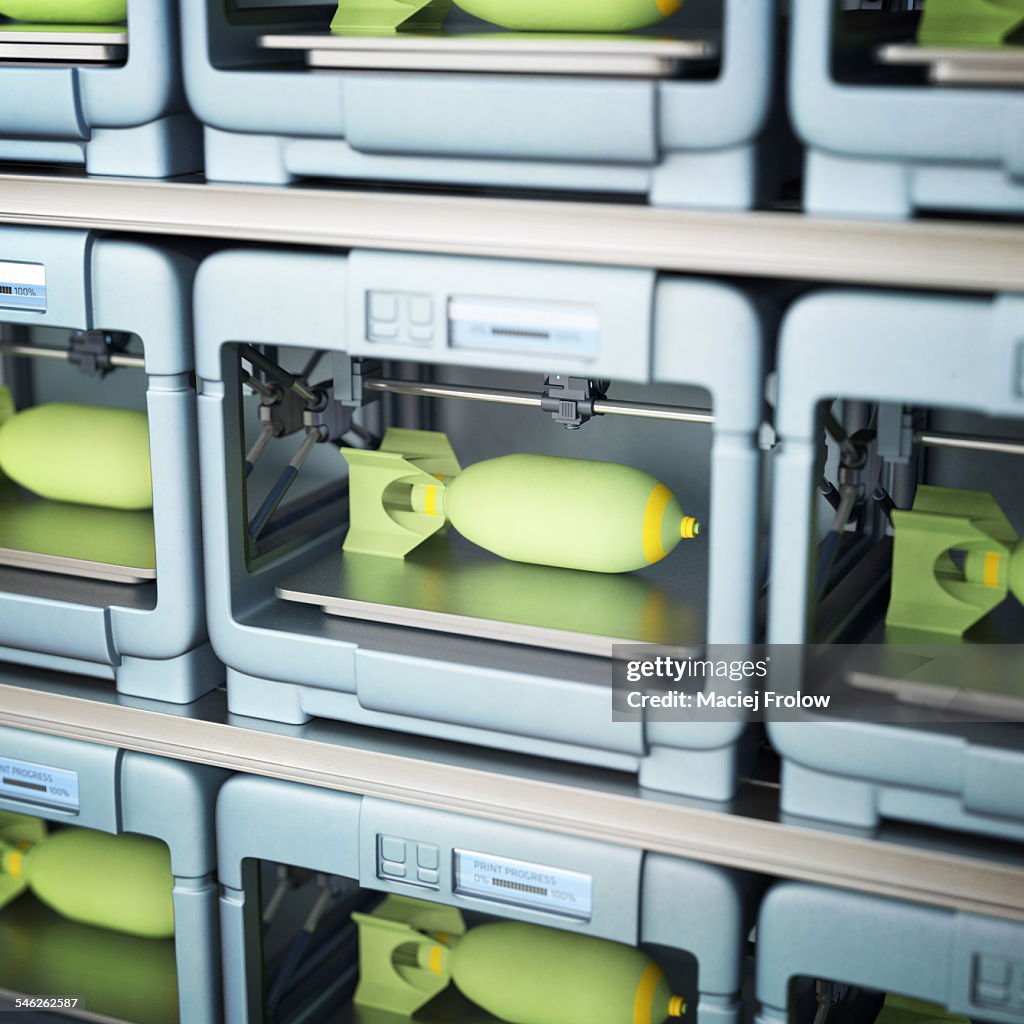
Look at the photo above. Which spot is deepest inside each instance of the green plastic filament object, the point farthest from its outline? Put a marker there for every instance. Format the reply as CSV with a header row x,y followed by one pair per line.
x,y
410,950
67,12
544,509
383,16
86,454
121,882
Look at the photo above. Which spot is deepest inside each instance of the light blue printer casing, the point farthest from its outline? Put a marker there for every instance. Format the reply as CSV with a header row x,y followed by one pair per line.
x,y
119,791
150,637
635,896
289,662
968,963
130,119
938,353
888,150
680,142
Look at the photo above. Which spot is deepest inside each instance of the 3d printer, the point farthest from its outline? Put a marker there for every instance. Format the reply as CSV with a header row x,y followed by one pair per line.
x,y
100,564
95,83
915,567
909,109
673,113
409,628
166,811
369,918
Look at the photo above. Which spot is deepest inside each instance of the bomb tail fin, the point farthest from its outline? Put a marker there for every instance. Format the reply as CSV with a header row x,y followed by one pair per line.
x,y
17,833
396,493
402,953
378,17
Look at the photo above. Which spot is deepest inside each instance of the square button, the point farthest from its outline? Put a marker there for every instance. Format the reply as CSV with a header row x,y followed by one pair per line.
x,y
428,877
988,994
428,856
392,869
421,309
392,849
383,331
994,970
383,307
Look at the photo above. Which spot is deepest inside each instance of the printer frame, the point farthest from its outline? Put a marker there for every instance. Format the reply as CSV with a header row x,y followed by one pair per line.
x,y
289,662
939,352
889,150
130,120
123,791
637,896
152,646
679,142
969,963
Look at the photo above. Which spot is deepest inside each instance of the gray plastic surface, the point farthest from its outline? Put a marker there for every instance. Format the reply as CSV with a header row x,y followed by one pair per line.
x,y
889,150
637,896
173,801
153,648
289,662
971,965
130,119
938,353
682,142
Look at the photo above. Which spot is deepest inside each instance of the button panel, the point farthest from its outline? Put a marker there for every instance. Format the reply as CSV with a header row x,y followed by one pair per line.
x,y
403,318
409,861
998,983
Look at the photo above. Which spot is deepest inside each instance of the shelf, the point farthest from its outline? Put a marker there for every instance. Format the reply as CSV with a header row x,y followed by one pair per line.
x,y
970,256
955,872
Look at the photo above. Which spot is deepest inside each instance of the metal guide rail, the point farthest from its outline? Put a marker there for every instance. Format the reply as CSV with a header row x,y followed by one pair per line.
x,y
492,52
968,256
1001,68
62,45
954,872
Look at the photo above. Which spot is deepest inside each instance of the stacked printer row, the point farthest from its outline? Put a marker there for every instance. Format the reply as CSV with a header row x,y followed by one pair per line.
x,y
139,889
510,504
899,105
606,515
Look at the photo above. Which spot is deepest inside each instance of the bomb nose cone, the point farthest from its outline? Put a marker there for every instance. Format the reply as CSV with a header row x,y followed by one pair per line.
x,y
689,528
676,1006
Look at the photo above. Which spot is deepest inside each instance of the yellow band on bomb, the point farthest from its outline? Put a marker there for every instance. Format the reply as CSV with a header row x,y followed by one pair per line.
x,y
428,499
13,863
644,1001
990,569
654,513
436,959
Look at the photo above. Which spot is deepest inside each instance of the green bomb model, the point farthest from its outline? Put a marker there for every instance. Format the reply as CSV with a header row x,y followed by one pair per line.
x,y
903,1010
410,951
972,23
544,509
933,592
122,882
86,454
383,16
66,12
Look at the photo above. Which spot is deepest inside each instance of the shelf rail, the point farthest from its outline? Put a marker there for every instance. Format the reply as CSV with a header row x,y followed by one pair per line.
x,y
962,256
963,874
